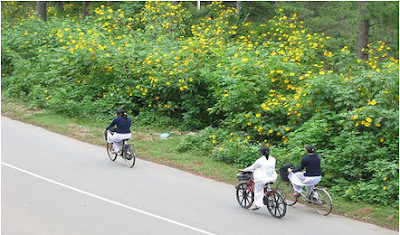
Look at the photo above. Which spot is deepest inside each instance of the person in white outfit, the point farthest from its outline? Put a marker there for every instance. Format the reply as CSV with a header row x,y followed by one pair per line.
x,y
311,177
263,172
123,123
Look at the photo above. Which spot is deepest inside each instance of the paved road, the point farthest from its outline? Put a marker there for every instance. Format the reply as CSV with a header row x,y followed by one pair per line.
x,y
52,184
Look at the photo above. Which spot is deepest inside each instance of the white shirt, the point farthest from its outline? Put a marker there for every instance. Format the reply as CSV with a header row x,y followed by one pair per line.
x,y
263,169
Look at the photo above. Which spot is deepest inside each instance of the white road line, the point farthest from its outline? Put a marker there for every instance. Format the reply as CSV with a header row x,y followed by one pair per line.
x,y
108,200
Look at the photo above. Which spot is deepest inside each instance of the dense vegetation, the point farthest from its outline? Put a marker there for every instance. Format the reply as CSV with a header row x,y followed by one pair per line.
x,y
242,84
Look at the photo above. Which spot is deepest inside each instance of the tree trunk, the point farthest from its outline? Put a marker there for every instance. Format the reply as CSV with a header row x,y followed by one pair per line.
x,y
60,6
363,33
238,7
84,12
41,9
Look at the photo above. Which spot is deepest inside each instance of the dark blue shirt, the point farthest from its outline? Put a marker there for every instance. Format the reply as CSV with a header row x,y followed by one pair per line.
x,y
312,163
123,127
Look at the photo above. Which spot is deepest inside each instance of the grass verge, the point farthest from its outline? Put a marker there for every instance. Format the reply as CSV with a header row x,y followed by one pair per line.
x,y
150,147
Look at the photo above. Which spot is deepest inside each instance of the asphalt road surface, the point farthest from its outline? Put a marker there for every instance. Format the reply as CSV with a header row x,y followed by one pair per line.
x,y
52,184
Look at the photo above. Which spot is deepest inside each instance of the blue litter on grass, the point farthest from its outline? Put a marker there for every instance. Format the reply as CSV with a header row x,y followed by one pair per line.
x,y
165,135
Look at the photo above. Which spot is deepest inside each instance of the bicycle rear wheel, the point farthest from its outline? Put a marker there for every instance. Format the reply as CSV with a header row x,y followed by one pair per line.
x,y
322,201
129,156
287,191
276,204
111,155
244,196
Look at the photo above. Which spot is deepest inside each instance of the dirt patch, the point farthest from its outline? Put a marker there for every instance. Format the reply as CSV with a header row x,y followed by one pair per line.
x,y
364,211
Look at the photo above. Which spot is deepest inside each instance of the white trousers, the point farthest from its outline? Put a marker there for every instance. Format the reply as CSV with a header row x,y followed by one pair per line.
x,y
259,192
299,181
116,139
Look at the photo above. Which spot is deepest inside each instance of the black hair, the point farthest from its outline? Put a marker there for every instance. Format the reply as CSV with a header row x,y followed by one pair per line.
x,y
310,148
264,151
122,113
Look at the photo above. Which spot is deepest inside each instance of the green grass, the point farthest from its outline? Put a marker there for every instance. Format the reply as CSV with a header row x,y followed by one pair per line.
x,y
149,146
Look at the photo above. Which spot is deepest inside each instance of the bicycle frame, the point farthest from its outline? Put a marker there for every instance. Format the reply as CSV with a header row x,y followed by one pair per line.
x,y
251,185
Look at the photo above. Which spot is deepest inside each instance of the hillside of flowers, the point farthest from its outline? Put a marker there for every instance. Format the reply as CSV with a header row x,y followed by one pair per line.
x,y
239,84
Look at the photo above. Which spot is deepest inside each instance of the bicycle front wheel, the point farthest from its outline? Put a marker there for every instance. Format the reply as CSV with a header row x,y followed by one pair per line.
x,y
111,155
276,204
244,196
129,156
322,201
287,191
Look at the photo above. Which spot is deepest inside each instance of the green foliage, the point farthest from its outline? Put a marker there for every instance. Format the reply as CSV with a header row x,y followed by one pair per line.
x,y
272,83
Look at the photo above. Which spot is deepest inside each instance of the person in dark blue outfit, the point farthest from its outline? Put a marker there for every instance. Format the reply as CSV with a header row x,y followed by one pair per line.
x,y
311,177
123,123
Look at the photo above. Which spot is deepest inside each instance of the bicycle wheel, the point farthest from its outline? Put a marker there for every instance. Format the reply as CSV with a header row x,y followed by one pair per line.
x,y
287,191
322,201
244,196
276,204
111,155
129,156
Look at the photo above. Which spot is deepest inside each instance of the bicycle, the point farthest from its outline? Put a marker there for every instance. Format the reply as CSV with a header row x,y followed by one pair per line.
x,y
319,197
273,199
128,153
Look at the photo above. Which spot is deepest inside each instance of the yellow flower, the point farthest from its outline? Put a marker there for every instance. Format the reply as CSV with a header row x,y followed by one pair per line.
x,y
214,141
258,115
367,124
378,125
322,72
168,83
384,188
368,119
287,129
245,59
385,178
346,192
382,139
249,123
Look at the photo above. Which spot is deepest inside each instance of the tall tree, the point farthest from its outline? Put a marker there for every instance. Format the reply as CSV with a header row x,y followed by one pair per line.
x,y
363,33
42,9
84,11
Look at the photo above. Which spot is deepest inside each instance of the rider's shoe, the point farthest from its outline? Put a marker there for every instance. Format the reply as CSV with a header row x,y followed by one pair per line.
x,y
296,194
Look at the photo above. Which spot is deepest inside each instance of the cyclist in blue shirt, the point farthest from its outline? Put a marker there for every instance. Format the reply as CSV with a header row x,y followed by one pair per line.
x,y
123,123
312,163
